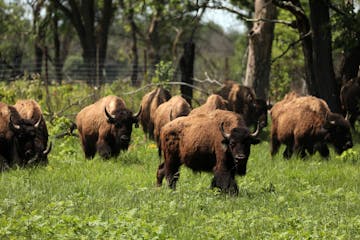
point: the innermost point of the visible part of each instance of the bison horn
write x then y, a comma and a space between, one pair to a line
254, 134
37, 124
46, 151
225, 135
110, 117
15, 126
136, 115
348, 115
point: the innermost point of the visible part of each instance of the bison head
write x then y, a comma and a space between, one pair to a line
237, 143
24, 134
40, 157
338, 132
260, 112
121, 125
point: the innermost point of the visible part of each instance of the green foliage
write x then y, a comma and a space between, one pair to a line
164, 73
346, 34
287, 70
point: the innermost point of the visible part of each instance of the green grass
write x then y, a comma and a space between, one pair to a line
74, 198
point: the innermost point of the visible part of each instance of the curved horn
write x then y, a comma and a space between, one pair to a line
37, 124
110, 117
15, 126
348, 115
48, 149
225, 135
257, 131
136, 115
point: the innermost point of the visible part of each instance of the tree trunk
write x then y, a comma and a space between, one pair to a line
187, 70
57, 59
129, 14
328, 89
260, 44
303, 27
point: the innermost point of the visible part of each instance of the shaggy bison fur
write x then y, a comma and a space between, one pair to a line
350, 100
212, 103
30, 110
149, 103
105, 127
218, 142
306, 123
176, 107
16, 138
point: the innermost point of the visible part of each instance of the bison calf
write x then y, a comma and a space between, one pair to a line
105, 127
218, 142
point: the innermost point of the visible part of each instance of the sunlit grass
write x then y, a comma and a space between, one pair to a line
74, 198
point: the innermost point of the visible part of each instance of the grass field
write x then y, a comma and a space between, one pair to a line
74, 198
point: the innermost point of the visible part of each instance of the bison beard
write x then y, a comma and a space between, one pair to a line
189, 141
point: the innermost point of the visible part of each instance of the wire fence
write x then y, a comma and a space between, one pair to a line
110, 72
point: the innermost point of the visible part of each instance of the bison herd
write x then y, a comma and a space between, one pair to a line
214, 137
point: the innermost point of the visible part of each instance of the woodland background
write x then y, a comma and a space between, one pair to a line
310, 46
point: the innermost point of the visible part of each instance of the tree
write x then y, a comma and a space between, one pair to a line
260, 44
327, 88
92, 22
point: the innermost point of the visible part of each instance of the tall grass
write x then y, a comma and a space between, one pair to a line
75, 198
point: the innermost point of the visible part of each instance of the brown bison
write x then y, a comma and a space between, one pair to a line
212, 103
30, 110
149, 104
16, 138
243, 100
306, 123
175, 107
350, 100
218, 142
105, 127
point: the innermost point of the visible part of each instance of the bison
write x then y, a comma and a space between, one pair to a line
105, 127
16, 138
242, 100
212, 103
218, 142
30, 110
305, 123
350, 100
149, 104
175, 107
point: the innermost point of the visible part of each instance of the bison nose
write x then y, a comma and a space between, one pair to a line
240, 157
125, 138
29, 154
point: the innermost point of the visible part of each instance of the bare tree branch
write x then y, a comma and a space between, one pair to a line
291, 45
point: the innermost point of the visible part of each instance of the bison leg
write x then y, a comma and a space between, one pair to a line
323, 149
172, 173
160, 174
288, 152
103, 148
89, 149
226, 182
3, 164
275, 144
